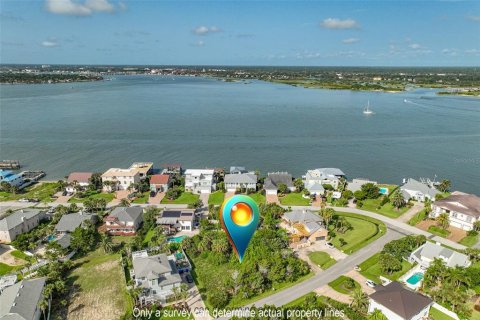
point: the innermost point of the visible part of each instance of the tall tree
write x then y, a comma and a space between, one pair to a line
443, 220
359, 300
444, 185
398, 200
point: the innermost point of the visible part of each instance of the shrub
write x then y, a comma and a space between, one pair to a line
472, 233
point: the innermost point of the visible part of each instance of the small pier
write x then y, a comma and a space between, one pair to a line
10, 164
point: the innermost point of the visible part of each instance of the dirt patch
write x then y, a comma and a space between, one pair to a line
456, 234
92, 306
7, 258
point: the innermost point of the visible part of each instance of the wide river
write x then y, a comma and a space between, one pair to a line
202, 122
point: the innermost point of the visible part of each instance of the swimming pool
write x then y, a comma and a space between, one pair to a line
51, 237
384, 190
176, 239
415, 278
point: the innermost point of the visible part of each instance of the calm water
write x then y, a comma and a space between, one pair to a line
204, 122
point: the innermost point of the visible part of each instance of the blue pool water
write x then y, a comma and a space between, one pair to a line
176, 239
51, 237
415, 278
384, 190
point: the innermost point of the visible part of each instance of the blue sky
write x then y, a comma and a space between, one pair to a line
303, 33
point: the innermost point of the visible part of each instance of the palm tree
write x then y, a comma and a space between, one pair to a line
377, 315
106, 243
44, 304
398, 200
73, 207
184, 293
443, 220
327, 215
444, 185
359, 300
124, 203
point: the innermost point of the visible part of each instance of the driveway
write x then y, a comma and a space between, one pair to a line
355, 275
417, 207
157, 199
272, 198
328, 291
319, 246
196, 304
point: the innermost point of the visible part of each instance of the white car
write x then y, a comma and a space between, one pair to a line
23, 200
329, 245
370, 283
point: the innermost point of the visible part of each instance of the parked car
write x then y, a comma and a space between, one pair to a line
357, 268
329, 245
370, 283
152, 193
189, 278
23, 200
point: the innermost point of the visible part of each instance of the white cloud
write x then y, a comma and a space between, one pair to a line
199, 43
415, 46
473, 18
73, 8
450, 52
50, 43
334, 23
350, 40
203, 30
475, 52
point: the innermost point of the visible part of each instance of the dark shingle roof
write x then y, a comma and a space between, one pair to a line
274, 179
20, 301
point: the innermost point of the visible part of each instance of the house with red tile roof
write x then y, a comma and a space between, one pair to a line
78, 179
159, 182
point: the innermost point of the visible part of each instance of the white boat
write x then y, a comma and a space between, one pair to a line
367, 110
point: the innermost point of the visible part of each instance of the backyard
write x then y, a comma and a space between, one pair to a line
321, 259
371, 269
364, 230
294, 199
216, 197
184, 198
42, 191
387, 209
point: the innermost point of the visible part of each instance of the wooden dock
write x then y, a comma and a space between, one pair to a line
10, 164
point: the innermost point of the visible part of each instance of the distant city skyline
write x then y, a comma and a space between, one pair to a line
277, 33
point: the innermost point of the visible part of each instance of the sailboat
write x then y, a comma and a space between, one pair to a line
367, 110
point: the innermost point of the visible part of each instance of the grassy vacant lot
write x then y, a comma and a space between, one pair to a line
20, 255
370, 268
321, 259
365, 230
436, 314
185, 198
294, 199
94, 195
387, 209
149, 235
97, 288
420, 216
42, 191
469, 241
340, 285
5, 268
258, 198
216, 197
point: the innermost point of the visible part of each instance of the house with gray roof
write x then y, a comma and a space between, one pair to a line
356, 184
304, 227
418, 191
19, 222
274, 179
21, 301
69, 222
322, 176
463, 209
398, 303
156, 275
429, 251
124, 220
239, 181
174, 220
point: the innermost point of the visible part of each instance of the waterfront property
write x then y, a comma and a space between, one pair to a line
240, 181
156, 275
159, 182
356, 184
173, 221
121, 179
78, 179
274, 179
304, 227
124, 220
199, 180
237, 170
13, 179
399, 303
425, 254
21, 301
463, 209
418, 191
19, 222
322, 176
172, 168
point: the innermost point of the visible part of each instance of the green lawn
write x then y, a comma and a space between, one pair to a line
420, 216
370, 269
340, 285
321, 259
20, 255
42, 191
143, 198
185, 198
365, 230
216, 197
148, 236
438, 231
387, 209
294, 199
5, 268
436, 314
258, 198
96, 195
469, 241
120, 239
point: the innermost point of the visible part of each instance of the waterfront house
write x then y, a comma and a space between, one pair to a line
398, 303
123, 178
172, 168
199, 180
156, 275
463, 209
356, 184
304, 227
78, 179
21, 301
124, 220
239, 181
322, 176
418, 191
19, 222
237, 170
173, 221
13, 179
274, 179
159, 182
425, 254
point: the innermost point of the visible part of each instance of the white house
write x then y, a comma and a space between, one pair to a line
425, 254
177, 220
19, 222
322, 176
157, 275
274, 179
124, 220
159, 182
199, 180
123, 178
356, 184
418, 191
80, 179
463, 209
398, 303
240, 181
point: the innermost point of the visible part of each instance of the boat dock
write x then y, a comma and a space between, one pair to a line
33, 175
10, 164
